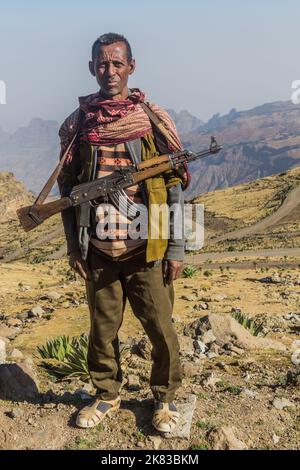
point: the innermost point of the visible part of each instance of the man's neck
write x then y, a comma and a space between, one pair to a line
122, 96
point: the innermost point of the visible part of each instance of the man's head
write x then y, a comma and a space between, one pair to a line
111, 64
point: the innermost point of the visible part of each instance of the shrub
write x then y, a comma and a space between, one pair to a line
65, 356
248, 323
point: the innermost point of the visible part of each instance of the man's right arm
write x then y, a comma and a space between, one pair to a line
66, 180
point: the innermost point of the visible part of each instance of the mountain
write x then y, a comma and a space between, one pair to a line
259, 142
185, 122
31, 152
12, 196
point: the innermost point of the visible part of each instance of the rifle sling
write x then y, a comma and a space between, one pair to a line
159, 124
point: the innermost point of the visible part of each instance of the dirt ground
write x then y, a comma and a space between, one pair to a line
243, 397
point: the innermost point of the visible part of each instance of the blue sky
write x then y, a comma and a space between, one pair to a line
204, 56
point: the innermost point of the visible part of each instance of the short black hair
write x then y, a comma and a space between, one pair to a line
111, 38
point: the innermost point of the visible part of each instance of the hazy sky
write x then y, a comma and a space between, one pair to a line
206, 56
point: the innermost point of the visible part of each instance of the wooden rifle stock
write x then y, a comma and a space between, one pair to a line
32, 216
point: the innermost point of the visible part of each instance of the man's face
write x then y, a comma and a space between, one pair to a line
111, 69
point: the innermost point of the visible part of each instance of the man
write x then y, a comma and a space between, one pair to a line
115, 131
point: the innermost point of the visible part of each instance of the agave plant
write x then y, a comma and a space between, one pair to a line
248, 323
66, 357
189, 271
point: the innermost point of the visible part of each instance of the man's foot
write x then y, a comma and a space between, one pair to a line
94, 413
165, 417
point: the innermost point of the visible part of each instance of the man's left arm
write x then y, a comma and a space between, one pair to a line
173, 263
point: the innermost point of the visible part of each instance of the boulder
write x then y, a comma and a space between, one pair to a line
8, 332
186, 346
227, 330
183, 428
2, 351
36, 312
17, 382
224, 439
16, 355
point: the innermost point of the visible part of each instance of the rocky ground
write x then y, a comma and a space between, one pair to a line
239, 391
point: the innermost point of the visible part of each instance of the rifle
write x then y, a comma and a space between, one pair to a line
32, 216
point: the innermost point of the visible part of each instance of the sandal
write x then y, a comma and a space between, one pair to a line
165, 417
94, 413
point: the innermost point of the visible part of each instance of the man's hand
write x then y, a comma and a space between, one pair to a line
78, 264
172, 270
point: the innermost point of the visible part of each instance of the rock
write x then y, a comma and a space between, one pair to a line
282, 403
144, 348
53, 295
65, 304
2, 351
293, 377
17, 382
272, 280
236, 310
214, 348
237, 350
31, 422
15, 413
222, 365
218, 297
23, 316
296, 344
189, 298
176, 319
224, 439
211, 355
208, 337
227, 330
16, 355
14, 322
140, 444
36, 312
201, 306
8, 332
24, 288
248, 393
275, 439
293, 317
156, 440
82, 394
133, 383
296, 357
186, 413
199, 346
209, 380
186, 346
190, 370
28, 362
5, 340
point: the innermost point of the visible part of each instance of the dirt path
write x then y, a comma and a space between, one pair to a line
235, 260
290, 203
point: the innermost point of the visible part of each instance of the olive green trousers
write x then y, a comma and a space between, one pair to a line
108, 285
